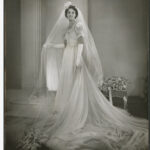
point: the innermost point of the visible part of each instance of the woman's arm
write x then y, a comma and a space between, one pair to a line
80, 50
80, 36
58, 46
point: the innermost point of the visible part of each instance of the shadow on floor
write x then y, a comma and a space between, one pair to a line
138, 107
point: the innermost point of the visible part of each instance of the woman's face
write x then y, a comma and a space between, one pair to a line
71, 14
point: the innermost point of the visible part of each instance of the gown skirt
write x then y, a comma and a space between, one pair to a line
83, 118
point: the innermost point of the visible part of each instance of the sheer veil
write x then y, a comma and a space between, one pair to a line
87, 117
53, 59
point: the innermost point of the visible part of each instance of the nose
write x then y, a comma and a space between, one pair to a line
70, 16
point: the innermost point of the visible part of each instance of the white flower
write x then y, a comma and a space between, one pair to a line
124, 86
67, 4
119, 79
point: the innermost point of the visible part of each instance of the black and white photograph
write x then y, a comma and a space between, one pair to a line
76, 74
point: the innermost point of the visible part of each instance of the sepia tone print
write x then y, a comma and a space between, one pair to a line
76, 75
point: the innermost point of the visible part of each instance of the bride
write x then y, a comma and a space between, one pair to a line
82, 118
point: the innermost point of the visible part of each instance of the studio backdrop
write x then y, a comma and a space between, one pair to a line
119, 28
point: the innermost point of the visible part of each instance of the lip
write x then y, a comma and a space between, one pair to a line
70, 17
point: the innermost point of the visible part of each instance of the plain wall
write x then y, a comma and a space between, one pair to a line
119, 28
12, 44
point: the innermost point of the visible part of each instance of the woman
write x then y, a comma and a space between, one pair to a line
82, 117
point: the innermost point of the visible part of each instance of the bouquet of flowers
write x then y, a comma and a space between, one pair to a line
118, 86
30, 140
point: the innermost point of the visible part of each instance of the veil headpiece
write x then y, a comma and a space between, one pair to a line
56, 36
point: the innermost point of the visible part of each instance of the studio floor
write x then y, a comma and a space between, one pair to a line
20, 113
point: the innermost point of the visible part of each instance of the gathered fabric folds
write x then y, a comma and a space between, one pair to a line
81, 118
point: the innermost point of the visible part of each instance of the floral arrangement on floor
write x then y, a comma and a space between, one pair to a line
30, 140
118, 86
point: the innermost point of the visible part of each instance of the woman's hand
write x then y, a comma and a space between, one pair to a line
79, 62
45, 46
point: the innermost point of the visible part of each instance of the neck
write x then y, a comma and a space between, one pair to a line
71, 22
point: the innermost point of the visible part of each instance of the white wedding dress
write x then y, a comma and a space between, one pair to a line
83, 118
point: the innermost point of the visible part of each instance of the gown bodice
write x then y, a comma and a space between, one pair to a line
71, 37
72, 34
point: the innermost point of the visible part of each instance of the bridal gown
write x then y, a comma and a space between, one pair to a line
83, 118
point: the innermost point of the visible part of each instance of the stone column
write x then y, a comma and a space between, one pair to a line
30, 40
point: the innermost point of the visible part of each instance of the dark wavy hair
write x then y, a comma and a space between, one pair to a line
71, 7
